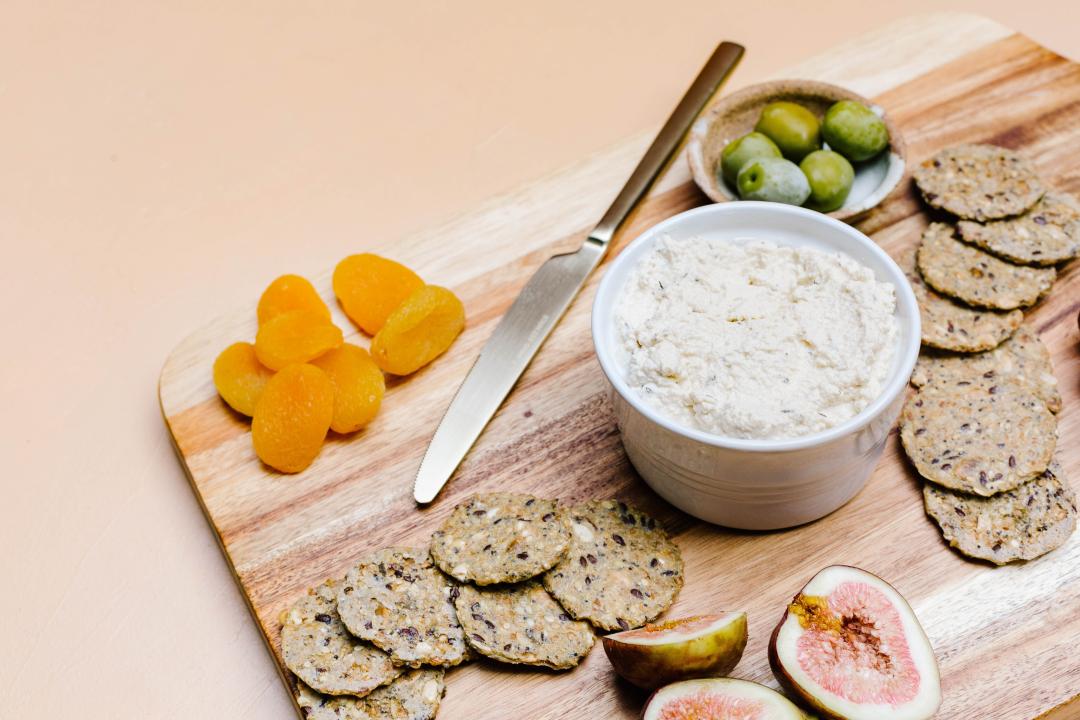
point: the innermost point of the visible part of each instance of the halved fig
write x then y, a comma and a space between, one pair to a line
849, 646
693, 647
719, 699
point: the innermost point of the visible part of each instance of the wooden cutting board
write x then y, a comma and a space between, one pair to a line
1005, 637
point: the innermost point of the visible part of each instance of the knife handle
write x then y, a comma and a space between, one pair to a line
723, 61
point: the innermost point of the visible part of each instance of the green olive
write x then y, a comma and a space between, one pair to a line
773, 179
830, 176
741, 151
794, 129
854, 130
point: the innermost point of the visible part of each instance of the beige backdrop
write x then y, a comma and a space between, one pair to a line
160, 162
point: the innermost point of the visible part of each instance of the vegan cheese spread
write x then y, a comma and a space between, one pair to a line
754, 340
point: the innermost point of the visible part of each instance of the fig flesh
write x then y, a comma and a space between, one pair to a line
850, 647
693, 647
719, 699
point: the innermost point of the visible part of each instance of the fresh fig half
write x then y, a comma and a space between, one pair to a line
719, 699
850, 647
693, 647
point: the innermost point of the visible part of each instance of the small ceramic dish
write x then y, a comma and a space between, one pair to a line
742, 483
735, 115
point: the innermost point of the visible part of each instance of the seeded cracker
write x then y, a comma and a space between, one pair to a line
1047, 234
522, 624
949, 325
500, 537
413, 696
976, 277
1020, 524
1022, 358
317, 647
976, 438
397, 600
979, 182
621, 570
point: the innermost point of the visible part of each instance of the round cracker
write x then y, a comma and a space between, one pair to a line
1019, 524
976, 277
415, 695
979, 182
398, 601
500, 538
1022, 358
976, 438
522, 624
948, 325
620, 571
316, 646
1047, 234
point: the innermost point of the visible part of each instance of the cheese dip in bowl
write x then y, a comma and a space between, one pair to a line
758, 355
754, 340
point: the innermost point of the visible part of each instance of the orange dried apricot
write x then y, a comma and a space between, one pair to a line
240, 378
370, 287
358, 386
292, 417
418, 331
295, 337
287, 293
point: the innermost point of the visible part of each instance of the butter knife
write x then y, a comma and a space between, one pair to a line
549, 293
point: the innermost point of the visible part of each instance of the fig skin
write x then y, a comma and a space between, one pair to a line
712, 654
789, 687
793, 690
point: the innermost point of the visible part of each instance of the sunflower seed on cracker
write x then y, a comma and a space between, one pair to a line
1022, 358
522, 624
949, 325
316, 646
500, 537
1047, 234
621, 570
981, 439
1019, 524
979, 182
976, 277
397, 600
415, 695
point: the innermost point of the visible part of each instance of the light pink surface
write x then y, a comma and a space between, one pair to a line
161, 162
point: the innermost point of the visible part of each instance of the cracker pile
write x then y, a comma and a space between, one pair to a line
981, 426
514, 578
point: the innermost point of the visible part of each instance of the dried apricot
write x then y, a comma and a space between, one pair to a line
358, 386
370, 287
240, 378
292, 417
287, 293
418, 331
295, 337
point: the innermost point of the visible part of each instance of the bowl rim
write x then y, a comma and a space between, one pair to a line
702, 176
907, 310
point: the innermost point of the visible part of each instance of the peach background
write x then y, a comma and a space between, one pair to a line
160, 162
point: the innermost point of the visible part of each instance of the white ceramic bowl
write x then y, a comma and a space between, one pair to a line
756, 484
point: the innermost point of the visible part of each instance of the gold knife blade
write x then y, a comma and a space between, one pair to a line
548, 294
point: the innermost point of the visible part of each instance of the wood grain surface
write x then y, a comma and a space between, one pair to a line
1005, 637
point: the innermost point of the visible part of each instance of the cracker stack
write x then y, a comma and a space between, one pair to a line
514, 578
981, 426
